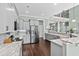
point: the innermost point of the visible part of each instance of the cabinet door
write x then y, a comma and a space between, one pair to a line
26, 39
56, 50
72, 50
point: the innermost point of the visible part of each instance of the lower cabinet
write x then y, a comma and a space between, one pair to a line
25, 37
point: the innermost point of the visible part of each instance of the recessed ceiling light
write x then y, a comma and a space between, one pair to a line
55, 3
39, 19
28, 6
10, 9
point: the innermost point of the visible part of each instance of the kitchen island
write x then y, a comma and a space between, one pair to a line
65, 47
62, 44
57, 35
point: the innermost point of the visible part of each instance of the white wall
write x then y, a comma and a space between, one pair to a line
6, 18
2, 18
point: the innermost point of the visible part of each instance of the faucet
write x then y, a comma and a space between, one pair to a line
70, 35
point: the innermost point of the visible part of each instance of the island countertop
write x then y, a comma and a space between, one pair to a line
60, 35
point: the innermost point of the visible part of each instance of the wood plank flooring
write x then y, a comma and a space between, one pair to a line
38, 49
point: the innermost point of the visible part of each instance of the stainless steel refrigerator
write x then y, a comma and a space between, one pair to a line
34, 34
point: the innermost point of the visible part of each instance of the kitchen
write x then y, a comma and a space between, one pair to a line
35, 24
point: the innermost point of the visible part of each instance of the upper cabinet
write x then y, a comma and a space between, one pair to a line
64, 14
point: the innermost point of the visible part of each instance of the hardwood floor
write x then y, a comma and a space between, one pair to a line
39, 49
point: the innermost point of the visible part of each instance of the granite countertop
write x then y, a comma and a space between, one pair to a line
60, 35
58, 41
66, 41
72, 40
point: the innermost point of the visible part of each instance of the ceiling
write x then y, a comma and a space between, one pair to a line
42, 9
